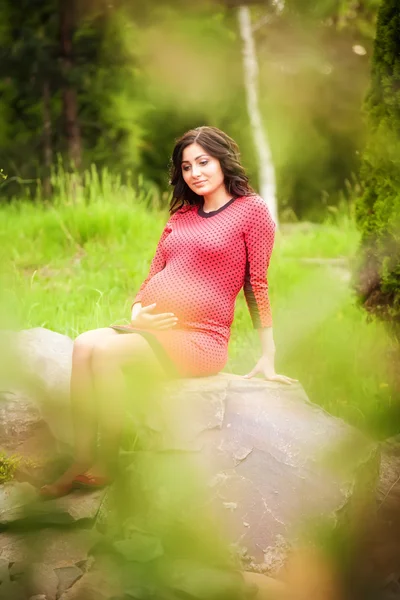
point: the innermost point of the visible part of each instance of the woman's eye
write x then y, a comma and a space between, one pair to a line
204, 163
186, 168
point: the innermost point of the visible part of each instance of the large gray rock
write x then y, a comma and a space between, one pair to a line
40, 368
20, 501
381, 543
41, 580
271, 459
54, 547
14, 500
67, 576
80, 506
94, 586
44, 564
26, 436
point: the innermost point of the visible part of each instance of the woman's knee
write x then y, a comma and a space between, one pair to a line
82, 348
85, 344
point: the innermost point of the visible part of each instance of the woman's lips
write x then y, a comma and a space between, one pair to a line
200, 183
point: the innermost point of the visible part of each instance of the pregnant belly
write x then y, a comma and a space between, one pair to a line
191, 299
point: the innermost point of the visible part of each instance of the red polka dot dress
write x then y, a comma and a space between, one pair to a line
201, 263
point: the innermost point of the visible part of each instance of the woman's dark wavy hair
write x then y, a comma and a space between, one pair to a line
219, 145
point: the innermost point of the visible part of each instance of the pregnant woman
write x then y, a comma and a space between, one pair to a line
218, 240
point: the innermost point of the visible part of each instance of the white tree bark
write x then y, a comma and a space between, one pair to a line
250, 66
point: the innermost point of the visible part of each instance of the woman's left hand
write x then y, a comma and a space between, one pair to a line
266, 367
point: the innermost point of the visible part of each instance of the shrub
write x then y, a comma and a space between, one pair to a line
378, 209
8, 467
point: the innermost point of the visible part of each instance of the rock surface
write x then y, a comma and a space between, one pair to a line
53, 547
382, 536
25, 435
20, 501
271, 459
40, 369
78, 507
93, 586
67, 576
44, 562
43, 580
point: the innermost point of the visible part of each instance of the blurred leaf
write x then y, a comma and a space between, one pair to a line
141, 547
140, 592
196, 580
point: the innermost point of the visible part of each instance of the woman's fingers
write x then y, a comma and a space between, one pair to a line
165, 323
148, 309
283, 379
164, 327
275, 377
288, 379
252, 373
155, 321
163, 317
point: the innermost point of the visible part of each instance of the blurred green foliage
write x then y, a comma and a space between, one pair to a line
378, 209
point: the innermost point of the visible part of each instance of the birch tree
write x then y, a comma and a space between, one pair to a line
266, 168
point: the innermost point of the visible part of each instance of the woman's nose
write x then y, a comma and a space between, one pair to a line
195, 171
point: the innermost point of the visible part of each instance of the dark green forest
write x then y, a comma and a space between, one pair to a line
111, 84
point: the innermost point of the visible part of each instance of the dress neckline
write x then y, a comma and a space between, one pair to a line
207, 215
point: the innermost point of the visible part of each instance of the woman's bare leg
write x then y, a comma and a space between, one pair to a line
109, 359
83, 402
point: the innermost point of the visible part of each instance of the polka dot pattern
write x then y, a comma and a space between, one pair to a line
201, 263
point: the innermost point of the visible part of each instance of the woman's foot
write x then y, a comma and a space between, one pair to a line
64, 484
55, 490
91, 481
95, 477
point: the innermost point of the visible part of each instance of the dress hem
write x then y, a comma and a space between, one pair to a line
155, 345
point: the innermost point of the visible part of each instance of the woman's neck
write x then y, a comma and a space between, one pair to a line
215, 200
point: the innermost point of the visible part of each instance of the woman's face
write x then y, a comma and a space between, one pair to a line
201, 172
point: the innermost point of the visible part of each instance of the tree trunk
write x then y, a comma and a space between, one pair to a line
47, 144
69, 95
250, 65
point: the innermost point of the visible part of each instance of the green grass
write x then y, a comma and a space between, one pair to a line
75, 267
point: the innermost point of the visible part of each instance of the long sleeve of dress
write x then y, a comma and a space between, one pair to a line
157, 264
259, 239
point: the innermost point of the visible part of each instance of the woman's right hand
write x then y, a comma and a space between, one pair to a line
144, 319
